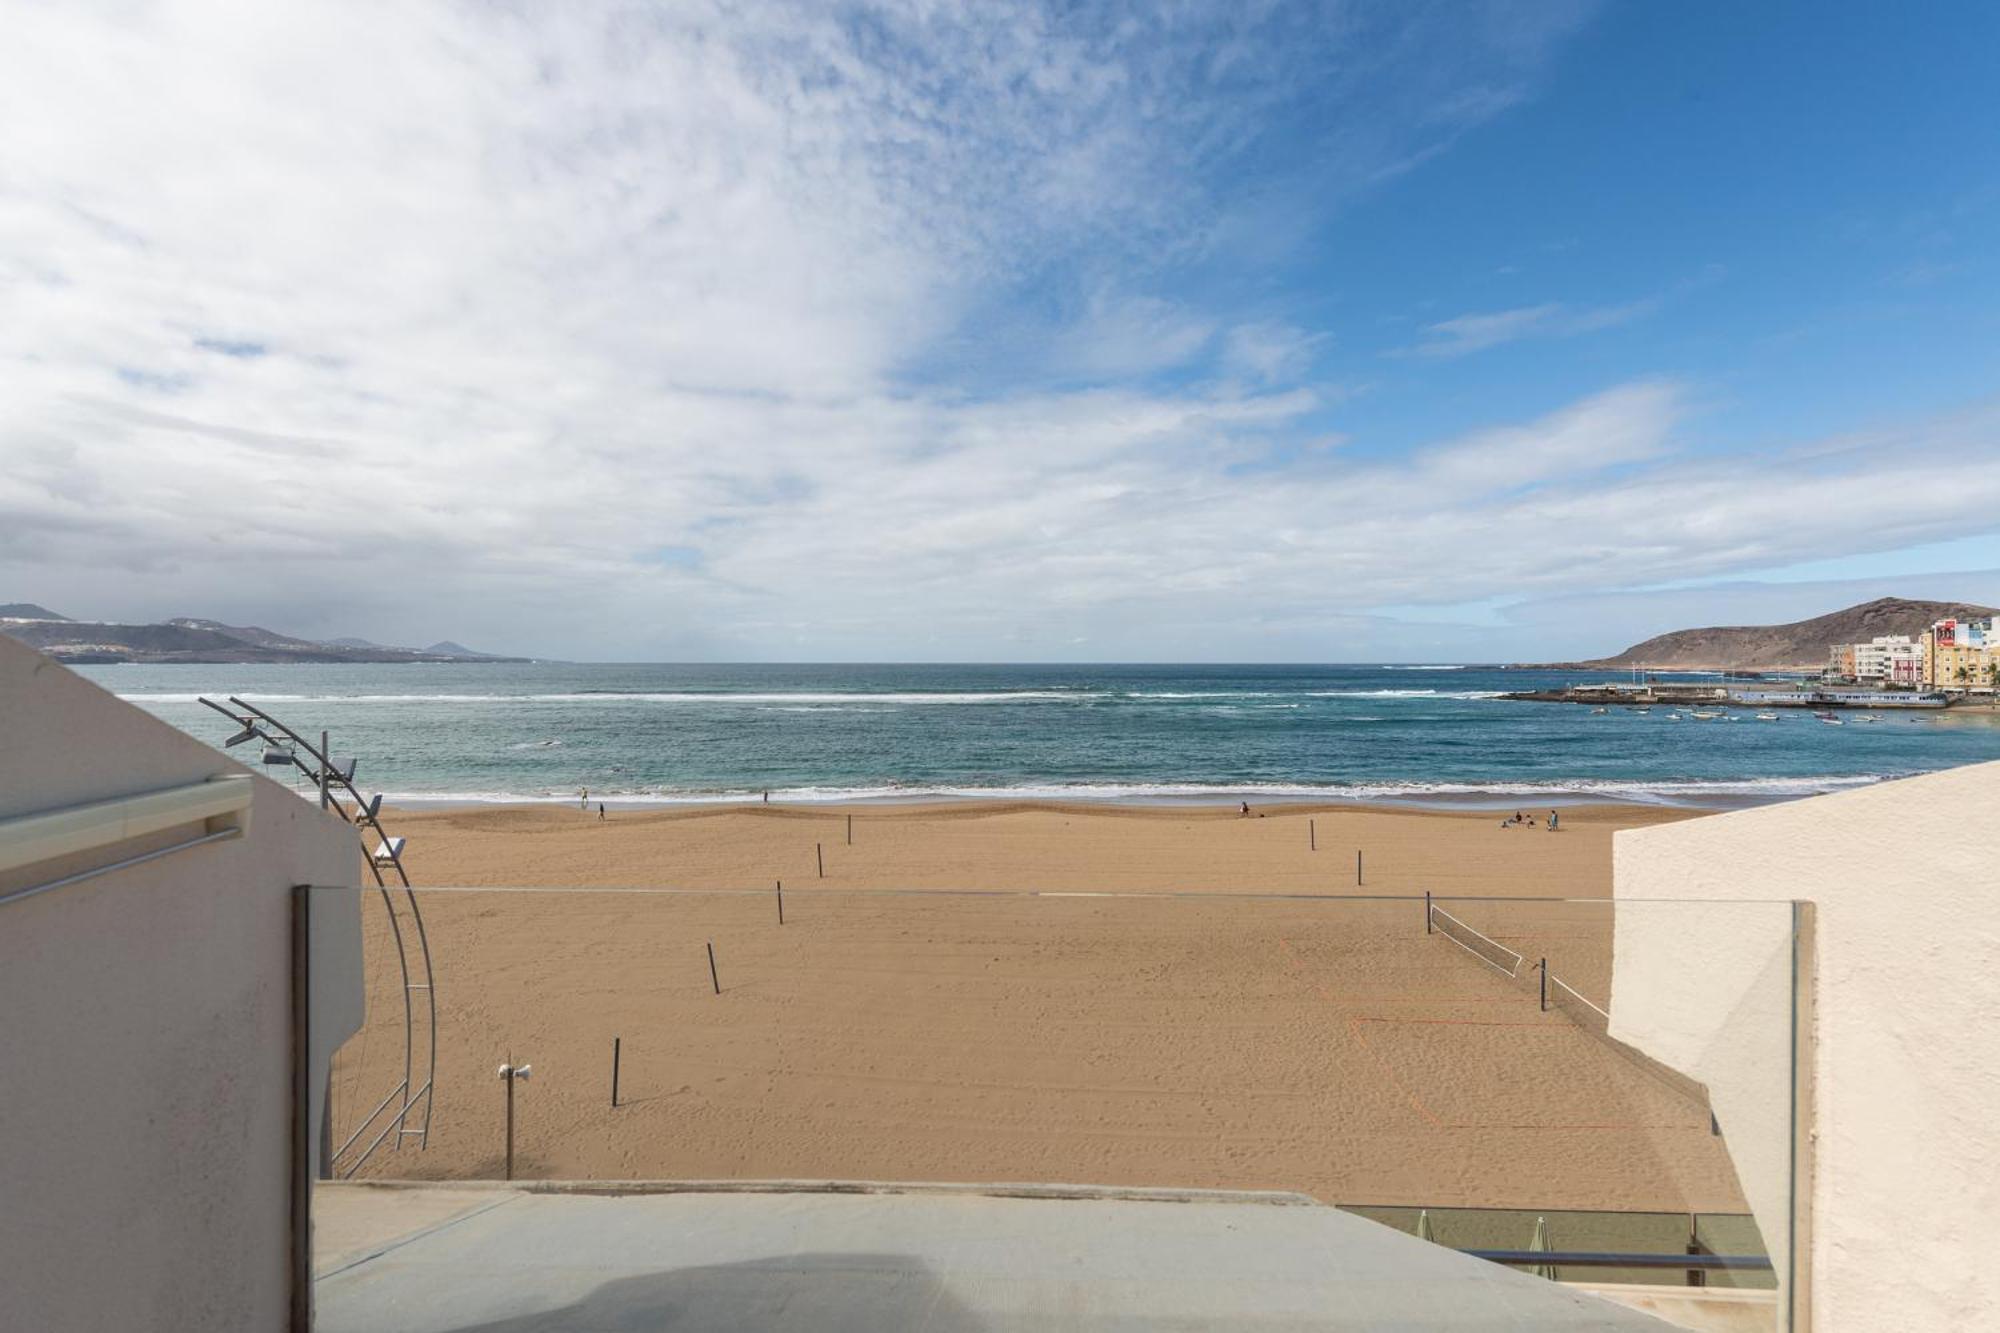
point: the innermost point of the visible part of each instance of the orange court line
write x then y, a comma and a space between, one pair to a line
1354, 1026
1298, 966
1557, 1026
1417, 1103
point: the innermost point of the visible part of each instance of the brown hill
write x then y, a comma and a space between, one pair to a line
1802, 644
189, 639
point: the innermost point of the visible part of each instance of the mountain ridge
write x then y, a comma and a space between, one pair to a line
195, 639
1797, 645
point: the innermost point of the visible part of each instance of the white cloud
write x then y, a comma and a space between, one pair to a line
1269, 351
610, 332
1475, 333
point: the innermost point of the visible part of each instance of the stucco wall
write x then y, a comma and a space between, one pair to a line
1905, 1076
145, 1030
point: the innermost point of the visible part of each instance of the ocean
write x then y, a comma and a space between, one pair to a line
694, 733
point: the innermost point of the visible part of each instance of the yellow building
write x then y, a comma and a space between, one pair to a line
1962, 655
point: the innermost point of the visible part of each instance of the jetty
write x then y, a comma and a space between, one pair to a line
1656, 693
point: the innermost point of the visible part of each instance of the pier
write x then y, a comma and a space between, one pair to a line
1654, 693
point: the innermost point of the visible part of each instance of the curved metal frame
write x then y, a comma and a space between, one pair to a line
415, 1103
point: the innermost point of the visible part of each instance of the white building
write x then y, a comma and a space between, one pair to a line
1881, 1202
1889, 659
152, 944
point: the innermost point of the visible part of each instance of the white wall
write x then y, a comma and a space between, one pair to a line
145, 1031
1906, 1049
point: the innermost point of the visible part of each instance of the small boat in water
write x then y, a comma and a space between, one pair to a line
1829, 719
1600, 710
1767, 717
1706, 717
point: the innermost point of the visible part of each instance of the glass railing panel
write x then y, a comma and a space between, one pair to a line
1413, 1061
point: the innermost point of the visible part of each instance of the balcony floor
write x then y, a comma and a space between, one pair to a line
448, 1259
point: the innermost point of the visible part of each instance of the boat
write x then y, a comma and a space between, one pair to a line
1705, 717
1828, 718
1767, 717
1600, 710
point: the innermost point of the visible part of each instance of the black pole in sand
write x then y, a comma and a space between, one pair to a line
615, 1043
1545, 985
781, 902
713, 980
1357, 869
850, 830
1427, 912
819, 855
1312, 835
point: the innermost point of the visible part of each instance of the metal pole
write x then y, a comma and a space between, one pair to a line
1428, 927
819, 855
1357, 869
850, 830
713, 980
324, 764
1312, 835
1545, 985
781, 902
512, 1074
299, 1219
615, 1043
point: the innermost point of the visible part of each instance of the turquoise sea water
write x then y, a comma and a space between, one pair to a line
696, 733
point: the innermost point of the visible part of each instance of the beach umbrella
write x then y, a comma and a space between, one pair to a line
1541, 1243
1424, 1225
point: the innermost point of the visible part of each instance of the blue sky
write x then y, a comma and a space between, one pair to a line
892, 331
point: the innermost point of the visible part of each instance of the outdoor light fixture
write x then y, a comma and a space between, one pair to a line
510, 1075
407, 1110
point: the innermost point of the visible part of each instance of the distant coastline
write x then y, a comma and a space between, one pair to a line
199, 642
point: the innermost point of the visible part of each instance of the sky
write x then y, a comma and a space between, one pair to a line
919, 331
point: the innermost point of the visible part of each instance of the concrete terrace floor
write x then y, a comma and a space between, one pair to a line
480, 1259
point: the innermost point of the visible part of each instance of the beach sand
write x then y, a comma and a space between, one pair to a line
1218, 1039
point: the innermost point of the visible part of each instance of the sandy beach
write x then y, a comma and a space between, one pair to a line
1226, 1036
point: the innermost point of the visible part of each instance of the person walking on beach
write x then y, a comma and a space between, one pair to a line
1552, 821
583, 798
600, 809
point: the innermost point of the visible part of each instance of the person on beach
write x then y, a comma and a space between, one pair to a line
1246, 811
583, 798
600, 809
1552, 821
767, 798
